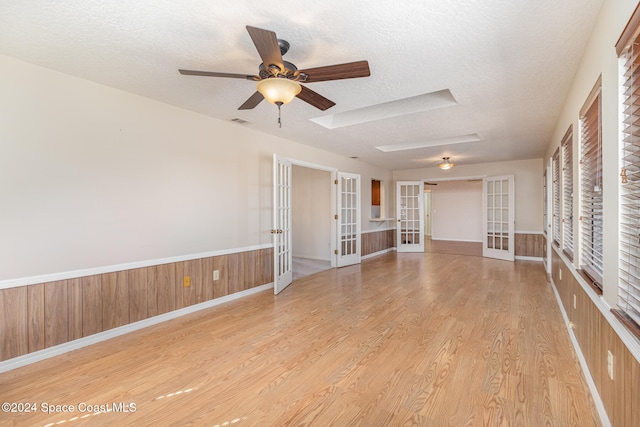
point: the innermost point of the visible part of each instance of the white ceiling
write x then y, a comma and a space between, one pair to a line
507, 64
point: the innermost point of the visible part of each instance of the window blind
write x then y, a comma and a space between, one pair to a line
555, 168
591, 189
545, 203
629, 272
567, 192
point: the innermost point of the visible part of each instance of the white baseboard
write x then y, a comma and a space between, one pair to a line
456, 240
37, 356
313, 258
529, 258
378, 253
604, 418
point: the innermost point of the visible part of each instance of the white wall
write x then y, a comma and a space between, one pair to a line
92, 176
600, 59
527, 180
311, 213
456, 211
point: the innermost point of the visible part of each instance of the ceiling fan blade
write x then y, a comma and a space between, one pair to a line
214, 74
252, 102
267, 45
315, 99
349, 70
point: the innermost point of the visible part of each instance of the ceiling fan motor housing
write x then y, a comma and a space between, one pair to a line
289, 71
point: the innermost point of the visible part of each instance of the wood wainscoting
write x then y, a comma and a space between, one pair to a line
529, 245
596, 337
377, 241
43, 315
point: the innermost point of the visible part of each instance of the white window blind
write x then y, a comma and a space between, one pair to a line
567, 193
555, 168
591, 188
545, 204
629, 272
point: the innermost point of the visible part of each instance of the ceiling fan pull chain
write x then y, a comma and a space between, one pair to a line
279, 121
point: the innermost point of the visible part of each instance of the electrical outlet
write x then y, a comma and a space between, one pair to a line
216, 274
575, 305
610, 363
187, 281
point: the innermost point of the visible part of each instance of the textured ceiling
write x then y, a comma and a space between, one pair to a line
507, 64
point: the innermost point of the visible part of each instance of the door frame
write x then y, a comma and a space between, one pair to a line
334, 205
334, 195
353, 258
410, 247
509, 254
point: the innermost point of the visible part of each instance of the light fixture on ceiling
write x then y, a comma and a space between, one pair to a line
446, 164
278, 91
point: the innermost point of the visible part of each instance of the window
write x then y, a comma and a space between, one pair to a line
628, 49
591, 187
545, 204
555, 170
567, 193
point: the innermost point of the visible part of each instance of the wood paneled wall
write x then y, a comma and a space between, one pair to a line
595, 336
43, 315
377, 241
529, 245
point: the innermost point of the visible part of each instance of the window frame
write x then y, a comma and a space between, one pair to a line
566, 145
591, 191
628, 50
555, 204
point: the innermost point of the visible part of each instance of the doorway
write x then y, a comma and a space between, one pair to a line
311, 220
455, 216
344, 217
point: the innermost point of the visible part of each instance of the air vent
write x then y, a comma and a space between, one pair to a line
238, 120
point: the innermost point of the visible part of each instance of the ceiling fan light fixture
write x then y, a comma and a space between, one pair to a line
446, 164
278, 90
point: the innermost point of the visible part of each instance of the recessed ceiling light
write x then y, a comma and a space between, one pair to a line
431, 143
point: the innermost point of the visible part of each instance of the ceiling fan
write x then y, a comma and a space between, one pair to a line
279, 80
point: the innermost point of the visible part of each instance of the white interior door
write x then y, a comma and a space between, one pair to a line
282, 255
410, 210
348, 219
498, 217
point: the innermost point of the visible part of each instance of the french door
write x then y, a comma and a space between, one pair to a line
410, 210
348, 217
498, 217
282, 269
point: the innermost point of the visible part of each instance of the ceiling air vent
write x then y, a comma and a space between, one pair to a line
240, 121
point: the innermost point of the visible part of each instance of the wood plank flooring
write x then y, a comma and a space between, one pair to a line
402, 339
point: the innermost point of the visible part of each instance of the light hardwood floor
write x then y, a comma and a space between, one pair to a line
402, 339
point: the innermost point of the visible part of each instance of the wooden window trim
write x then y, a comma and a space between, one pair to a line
627, 321
590, 176
556, 213
628, 48
568, 217
591, 278
630, 31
